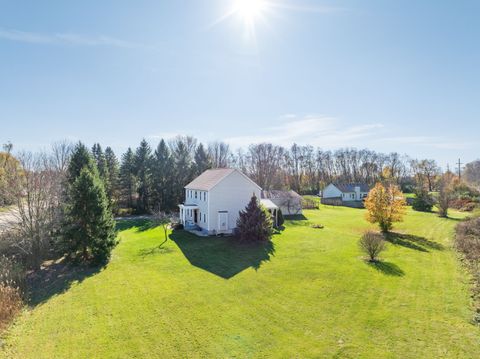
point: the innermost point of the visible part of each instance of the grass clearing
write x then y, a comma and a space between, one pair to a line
308, 294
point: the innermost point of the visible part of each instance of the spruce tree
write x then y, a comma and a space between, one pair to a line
80, 158
89, 227
162, 169
128, 180
113, 171
255, 223
101, 162
202, 160
143, 157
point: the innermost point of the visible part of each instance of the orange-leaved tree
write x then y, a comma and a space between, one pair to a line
385, 205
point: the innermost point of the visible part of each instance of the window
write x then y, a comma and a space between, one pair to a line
204, 196
195, 194
205, 218
352, 195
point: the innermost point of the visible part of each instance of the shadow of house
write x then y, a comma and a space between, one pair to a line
413, 242
222, 256
387, 268
56, 278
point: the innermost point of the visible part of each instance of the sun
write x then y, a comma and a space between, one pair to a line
249, 10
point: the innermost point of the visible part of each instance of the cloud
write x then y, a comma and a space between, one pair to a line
322, 131
66, 38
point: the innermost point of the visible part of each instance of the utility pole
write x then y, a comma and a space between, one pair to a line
459, 169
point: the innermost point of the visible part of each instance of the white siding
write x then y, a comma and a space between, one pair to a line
200, 202
331, 191
232, 194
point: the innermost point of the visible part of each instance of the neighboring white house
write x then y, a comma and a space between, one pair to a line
214, 199
289, 202
338, 194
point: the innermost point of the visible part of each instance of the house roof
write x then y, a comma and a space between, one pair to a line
276, 194
350, 187
210, 178
268, 204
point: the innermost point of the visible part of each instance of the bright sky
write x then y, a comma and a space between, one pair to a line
388, 75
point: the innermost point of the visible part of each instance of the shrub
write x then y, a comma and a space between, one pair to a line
372, 244
280, 218
423, 201
467, 242
11, 284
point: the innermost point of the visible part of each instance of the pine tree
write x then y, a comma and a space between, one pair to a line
80, 158
128, 181
113, 176
100, 160
89, 223
162, 169
255, 223
202, 160
89, 227
143, 157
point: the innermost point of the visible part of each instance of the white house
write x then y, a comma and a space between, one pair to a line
214, 199
338, 194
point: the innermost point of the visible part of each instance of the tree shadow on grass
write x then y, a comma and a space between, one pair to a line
142, 224
56, 278
413, 242
222, 256
160, 249
387, 268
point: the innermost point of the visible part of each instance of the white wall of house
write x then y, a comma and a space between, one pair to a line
331, 191
199, 198
232, 194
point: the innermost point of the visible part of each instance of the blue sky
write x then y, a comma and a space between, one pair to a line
387, 75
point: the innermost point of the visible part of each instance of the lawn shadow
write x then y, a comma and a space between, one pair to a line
387, 268
222, 256
141, 224
160, 249
56, 278
413, 242
295, 217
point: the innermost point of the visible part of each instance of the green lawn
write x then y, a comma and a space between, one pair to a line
309, 294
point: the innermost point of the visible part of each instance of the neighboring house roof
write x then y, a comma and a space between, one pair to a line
350, 187
210, 178
276, 194
268, 204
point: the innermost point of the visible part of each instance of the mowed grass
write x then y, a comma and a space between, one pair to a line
310, 294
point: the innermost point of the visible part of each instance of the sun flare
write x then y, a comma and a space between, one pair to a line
250, 9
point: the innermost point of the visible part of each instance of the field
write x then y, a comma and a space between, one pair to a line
308, 294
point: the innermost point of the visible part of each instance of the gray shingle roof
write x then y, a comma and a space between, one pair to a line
276, 194
350, 187
208, 179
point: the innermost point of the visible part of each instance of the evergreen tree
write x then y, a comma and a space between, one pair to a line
255, 222
113, 171
128, 181
280, 218
162, 169
143, 157
183, 167
202, 160
423, 201
89, 227
89, 223
100, 160
80, 158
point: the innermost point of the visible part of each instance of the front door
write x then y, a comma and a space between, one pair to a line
195, 216
223, 221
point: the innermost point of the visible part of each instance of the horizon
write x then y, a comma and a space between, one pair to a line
383, 76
